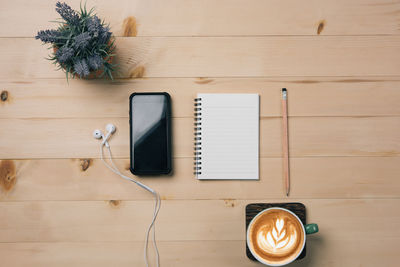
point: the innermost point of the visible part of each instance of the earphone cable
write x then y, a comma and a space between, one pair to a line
156, 210
157, 205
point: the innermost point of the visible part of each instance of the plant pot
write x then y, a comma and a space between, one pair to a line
92, 74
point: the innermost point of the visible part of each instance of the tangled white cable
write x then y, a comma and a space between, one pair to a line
111, 129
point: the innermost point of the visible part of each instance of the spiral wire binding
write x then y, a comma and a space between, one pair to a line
197, 136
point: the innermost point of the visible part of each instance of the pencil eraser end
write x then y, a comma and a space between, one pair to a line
284, 93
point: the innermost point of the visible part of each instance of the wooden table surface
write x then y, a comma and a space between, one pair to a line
339, 59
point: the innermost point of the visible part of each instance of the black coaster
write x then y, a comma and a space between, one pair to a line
254, 208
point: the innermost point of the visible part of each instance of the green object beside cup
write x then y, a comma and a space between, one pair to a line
311, 228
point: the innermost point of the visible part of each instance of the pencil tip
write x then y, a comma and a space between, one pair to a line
283, 89
287, 194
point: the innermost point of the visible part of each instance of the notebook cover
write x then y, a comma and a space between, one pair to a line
226, 133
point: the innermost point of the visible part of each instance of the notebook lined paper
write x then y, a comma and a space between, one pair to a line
227, 136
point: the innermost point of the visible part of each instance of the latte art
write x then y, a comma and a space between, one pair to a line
276, 236
280, 239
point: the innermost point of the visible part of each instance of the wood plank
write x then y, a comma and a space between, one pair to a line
211, 18
23, 58
309, 96
189, 220
309, 136
61, 207
88, 179
320, 252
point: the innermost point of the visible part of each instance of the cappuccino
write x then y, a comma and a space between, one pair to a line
276, 237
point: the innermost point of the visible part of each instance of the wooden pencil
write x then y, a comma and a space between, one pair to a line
285, 141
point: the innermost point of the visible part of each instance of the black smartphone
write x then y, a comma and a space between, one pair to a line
150, 133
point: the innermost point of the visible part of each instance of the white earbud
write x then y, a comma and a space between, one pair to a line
98, 134
110, 130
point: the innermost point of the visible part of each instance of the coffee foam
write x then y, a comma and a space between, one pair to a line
276, 236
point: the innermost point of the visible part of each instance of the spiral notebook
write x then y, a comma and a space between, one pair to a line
226, 136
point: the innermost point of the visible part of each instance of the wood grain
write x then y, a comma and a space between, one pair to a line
189, 220
23, 58
81, 230
308, 136
309, 96
321, 252
314, 177
339, 60
217, 18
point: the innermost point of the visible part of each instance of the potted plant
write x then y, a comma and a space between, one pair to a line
82, 44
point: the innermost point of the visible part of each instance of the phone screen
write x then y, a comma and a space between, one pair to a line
150, 133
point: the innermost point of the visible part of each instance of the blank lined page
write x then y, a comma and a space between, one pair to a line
229, 136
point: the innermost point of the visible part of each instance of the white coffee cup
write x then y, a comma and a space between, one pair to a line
308, 229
